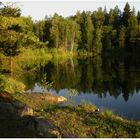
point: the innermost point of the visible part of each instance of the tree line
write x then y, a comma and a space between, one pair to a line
88, 31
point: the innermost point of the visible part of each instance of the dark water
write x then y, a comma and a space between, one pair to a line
108, 82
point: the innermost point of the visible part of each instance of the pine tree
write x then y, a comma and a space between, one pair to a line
126, 15
138, 17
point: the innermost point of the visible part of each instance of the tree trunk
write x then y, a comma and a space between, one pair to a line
72, 46
72, 66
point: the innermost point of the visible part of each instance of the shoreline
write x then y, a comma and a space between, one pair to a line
52, 120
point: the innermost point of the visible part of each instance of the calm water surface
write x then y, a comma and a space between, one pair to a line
109, 83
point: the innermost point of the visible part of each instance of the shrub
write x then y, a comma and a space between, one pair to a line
11, 85
108, 113
14, 86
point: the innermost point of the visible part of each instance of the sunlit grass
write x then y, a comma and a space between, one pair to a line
11, 85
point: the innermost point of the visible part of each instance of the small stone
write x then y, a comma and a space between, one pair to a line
57, 99
55, 133
61, 99
27, 112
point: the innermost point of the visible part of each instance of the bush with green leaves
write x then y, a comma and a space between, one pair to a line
10, 85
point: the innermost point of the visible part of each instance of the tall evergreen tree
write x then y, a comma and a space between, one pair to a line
132, 27
126, 14
86, 28
138, 17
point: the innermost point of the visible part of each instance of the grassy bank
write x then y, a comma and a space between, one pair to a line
80, 121
76, 121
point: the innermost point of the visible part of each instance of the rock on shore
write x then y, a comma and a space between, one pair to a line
18, 120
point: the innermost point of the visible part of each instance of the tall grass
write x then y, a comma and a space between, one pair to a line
30, 57
33, 55
60, 54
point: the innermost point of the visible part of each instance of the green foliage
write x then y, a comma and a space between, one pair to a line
39, 29
86, 28
114, 17
138, 17
51, 107
15, 31
44, 84
10, 11
122, 36
32, 57
133, 27
62, 32
11, 85
88, 32
107, 113
126, 14
97, 41
57, 38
